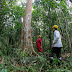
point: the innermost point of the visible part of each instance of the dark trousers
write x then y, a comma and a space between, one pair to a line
57, 51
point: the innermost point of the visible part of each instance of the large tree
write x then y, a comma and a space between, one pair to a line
26, 37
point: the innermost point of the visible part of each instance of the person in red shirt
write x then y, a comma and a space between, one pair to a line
39, 44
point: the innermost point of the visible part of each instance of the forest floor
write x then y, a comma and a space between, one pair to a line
39, 63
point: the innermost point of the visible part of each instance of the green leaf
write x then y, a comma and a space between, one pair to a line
68, 71
4, 70
71, 8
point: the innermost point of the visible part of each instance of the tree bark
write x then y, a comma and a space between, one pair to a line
49, 17
26, 37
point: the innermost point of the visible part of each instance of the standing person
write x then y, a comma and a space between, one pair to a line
57, 44
39, 44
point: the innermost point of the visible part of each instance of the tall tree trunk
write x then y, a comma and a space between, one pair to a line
49, 17
26, 37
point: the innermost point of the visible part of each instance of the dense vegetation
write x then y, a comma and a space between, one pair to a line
45, 14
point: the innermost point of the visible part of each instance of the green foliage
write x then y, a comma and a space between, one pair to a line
4, 70
10, 26
31, 69
71, 8
43, 18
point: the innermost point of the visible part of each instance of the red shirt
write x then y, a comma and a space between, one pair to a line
39, 42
